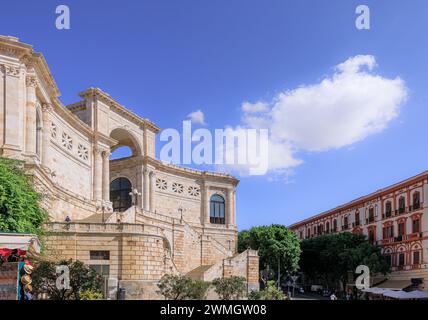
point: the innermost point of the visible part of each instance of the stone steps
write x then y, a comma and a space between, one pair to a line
198, 273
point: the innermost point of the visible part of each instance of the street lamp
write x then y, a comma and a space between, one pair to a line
134, 196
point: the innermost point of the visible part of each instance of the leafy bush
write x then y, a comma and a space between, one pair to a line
255, 295
271, 292
230, 288
91, 294
198, 289
177, 287
82, 278
19, 202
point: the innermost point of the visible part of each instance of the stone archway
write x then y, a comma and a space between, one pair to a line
126, 138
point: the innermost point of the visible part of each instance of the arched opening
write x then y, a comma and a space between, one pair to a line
127, 145
120, 196
217, 214
121, 152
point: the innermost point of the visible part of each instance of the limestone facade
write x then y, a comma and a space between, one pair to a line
168, 224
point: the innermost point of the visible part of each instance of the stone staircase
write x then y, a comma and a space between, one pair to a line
198, 273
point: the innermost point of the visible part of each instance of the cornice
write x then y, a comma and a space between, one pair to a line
377, 195
25, 53
199, 174
117, 107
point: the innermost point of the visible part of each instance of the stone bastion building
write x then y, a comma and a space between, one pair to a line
133, 219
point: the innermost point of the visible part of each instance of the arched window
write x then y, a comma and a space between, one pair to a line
401, 205
120, 190
217, 209
334, 225
416, 200
388, 209
357, 218
327, 227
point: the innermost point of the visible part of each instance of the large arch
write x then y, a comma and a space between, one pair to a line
126, 138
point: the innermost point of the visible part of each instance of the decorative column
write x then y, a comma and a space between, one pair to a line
234, 208
146, 189
152, 190
207, 203
12, 140
97, 181
46, 140
30, 116
106, 175
230, 213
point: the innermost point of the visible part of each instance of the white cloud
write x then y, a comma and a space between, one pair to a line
197, 117
346, 107
254, 107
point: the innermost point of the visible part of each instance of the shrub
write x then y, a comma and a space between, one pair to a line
91, 294
177, 287
230, 288
271, 292
82, 278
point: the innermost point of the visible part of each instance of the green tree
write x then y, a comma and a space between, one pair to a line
271, 292
82, 278
177, 287
229, 288
275, 243
330, 258
19, 202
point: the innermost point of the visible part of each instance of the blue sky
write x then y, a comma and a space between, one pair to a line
165, 59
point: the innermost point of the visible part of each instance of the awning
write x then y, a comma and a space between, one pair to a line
395, 284
19, 241
403, 295
375, 290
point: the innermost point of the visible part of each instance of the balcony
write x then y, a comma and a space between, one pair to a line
412, 236
386, 241
414, 207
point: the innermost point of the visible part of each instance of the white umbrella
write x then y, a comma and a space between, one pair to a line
396, 294
417, 294
375, 290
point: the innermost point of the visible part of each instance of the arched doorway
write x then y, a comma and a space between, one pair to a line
120, 197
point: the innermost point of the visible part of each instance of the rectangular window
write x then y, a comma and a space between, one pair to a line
401, 259
99, 255
388, 209
371, 215
416, 257
401, 229
101, 269
416, 226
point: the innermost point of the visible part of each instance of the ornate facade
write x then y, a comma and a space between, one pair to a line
133, 219
395, 218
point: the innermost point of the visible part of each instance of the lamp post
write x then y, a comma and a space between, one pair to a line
134, 196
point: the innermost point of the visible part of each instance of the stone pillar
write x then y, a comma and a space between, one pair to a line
31, 116
46, 140
152, 190
207, 204
13, 132
229, 210
106, 175
234, 208
146, 189
97, 182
